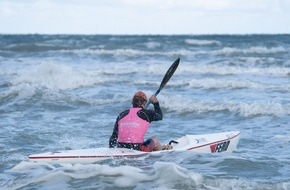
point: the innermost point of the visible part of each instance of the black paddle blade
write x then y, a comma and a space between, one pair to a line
168, 75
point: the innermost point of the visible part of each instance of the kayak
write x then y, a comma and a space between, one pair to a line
204, 143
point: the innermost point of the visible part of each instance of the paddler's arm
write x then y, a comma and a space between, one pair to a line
158, 116
155, 115
113, 139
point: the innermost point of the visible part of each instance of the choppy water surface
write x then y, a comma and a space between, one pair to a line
64, 92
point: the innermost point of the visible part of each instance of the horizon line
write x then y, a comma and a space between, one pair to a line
146, 34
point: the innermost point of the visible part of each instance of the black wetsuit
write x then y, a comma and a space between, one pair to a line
148, 115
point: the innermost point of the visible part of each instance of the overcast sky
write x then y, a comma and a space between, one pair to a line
144, 16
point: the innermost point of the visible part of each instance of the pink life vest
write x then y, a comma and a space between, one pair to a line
131, 128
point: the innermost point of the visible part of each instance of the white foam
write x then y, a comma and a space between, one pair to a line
209, 83
115, 52
286, 186
129, 52
50, 77
201, 42
151, 45
262, 108
188, 105
252, 50
240, 184
282, 138
227, 51
170, 173
232, 70
53, 76
162, 173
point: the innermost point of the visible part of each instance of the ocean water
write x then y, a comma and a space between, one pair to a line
62, 92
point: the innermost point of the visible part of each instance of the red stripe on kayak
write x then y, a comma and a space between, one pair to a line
66, 157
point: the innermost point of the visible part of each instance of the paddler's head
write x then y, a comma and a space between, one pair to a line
139, 99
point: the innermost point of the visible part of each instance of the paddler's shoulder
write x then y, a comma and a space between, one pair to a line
124, 113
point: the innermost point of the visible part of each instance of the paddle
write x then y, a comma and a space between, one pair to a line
166, 78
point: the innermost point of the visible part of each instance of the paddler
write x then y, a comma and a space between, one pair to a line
132, 125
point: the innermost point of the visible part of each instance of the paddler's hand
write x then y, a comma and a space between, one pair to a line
153, 99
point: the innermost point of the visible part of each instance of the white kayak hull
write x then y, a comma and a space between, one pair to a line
205, 143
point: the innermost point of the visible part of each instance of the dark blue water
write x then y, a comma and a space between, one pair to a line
65, 91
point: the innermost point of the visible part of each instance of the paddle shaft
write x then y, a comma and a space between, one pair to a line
166, 78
